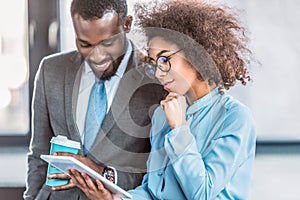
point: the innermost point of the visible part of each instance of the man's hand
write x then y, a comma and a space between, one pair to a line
84, 160
93, 190
61, 176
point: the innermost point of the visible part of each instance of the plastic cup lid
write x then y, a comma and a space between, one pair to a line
64, 141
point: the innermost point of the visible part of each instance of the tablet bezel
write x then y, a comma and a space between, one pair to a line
64, 163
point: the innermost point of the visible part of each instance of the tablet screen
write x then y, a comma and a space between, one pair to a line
64, 163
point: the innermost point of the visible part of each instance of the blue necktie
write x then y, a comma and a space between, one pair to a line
95, 114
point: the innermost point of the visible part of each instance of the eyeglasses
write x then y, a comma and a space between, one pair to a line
161, 62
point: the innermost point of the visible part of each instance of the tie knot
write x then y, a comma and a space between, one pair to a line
99, 81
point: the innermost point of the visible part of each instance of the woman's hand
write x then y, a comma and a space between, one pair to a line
93, 190
175, 108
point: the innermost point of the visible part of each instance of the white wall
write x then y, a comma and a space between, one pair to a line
273, 95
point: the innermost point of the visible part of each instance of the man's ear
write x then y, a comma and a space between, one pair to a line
127, 24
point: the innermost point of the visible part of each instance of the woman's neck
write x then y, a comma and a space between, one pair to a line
198, 90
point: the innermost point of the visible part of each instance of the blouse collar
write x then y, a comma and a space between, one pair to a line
203, 101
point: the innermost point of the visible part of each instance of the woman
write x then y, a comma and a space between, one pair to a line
203, 141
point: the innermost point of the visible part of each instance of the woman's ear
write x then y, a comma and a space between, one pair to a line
127, 24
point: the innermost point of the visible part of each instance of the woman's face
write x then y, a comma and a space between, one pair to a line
182, 76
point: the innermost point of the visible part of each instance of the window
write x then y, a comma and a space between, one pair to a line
29, 32
14, 90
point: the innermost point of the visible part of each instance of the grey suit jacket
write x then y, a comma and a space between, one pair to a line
123, 139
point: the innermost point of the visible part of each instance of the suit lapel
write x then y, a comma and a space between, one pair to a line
130, 81
72, 82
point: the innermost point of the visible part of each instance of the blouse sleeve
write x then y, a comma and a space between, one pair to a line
205, 177
141, 192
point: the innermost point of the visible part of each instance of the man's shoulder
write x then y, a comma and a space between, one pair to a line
58, 63
62, 56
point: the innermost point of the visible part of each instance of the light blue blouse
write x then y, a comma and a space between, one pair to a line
210, 158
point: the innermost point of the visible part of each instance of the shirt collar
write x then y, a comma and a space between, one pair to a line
122, 66
125, 60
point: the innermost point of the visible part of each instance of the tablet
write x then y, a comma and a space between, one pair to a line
64, 163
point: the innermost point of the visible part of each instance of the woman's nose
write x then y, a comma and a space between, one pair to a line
159, 73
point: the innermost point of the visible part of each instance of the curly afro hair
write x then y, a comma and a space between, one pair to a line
95, 9
214, 27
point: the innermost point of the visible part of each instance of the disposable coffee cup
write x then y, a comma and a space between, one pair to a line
60, 144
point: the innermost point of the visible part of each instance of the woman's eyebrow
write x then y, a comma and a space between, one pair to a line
161, 52
158, 54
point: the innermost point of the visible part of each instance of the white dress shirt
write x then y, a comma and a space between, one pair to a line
86, 83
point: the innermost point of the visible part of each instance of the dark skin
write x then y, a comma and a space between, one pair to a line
102, 42
82, 159
93, 190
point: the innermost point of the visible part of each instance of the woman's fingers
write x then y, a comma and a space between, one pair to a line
174, 107
171, 96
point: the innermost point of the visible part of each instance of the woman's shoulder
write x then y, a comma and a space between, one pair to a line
237, 113
234, 106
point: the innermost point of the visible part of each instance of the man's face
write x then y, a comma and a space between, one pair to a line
102, 42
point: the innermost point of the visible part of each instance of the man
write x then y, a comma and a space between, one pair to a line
63, 86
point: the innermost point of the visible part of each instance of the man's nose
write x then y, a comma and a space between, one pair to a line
97, 54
